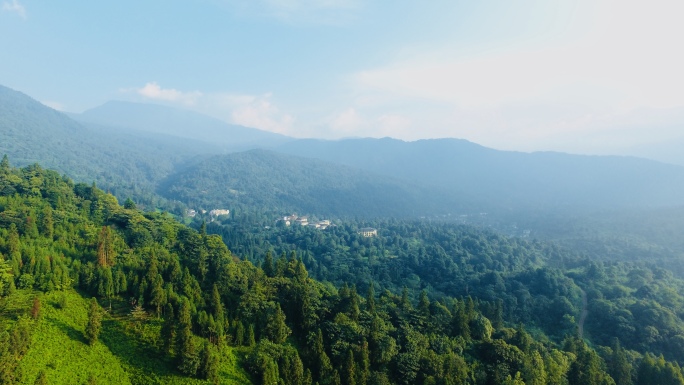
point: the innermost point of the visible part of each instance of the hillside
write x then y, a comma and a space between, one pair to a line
586, 202
179, 123
515, 180
154, 154
137, 297
268, 180
126, 162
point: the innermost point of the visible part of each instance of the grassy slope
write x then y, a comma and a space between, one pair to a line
124, 355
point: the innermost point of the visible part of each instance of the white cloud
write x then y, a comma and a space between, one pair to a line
153, 91
262, 114
14, 6
54, 105
351, 122
348, 122
621, 62
393, 125
256, 111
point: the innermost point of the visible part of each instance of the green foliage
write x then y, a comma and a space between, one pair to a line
209, 363
94, 326
125, 162
275, 329
449, 295
187, 356
42, 379
278, 182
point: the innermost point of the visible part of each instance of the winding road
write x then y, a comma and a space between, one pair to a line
583, 315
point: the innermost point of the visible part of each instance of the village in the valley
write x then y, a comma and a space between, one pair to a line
288, 220
213, 214
293, 219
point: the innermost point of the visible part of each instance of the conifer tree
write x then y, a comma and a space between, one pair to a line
405, 303
157, 294
251, 338
5, 164
587, 369
92, 331
239, 333
105, 247
308, 380
522, 339
460, 322
47, 224
516, 380
363, 368
13, 243
619, 367
270, 374
354, 310
281, 265
321, 359
276, 330
129, 204
168, 330
209, 363
186, 356
291, 368
105, 283
349, 369
424, 304
535, 373
267, 265
216, 304
370, 299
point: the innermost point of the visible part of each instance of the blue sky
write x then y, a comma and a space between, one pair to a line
599, 76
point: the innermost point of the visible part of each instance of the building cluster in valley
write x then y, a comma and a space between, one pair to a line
368, 232
294, 220
213, 214
304, 221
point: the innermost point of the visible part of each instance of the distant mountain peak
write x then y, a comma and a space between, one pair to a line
182, 123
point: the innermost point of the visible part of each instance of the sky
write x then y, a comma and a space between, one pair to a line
581, 76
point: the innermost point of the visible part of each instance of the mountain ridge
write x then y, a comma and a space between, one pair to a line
137, 161
517, 179
181, 123
267, 179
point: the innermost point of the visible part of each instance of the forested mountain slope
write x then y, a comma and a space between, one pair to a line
515, 180
447, 175
125, 162
173, 305
524, 281
272, 181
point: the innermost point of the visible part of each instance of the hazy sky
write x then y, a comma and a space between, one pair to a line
587, 76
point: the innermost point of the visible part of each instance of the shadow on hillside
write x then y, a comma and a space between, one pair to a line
69, 330
132, 351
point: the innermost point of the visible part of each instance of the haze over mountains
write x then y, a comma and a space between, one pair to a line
668, 152
513, 179
155, 149
180, 123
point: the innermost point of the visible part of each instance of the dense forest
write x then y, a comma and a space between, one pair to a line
272, 181
538, 284
95, 292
